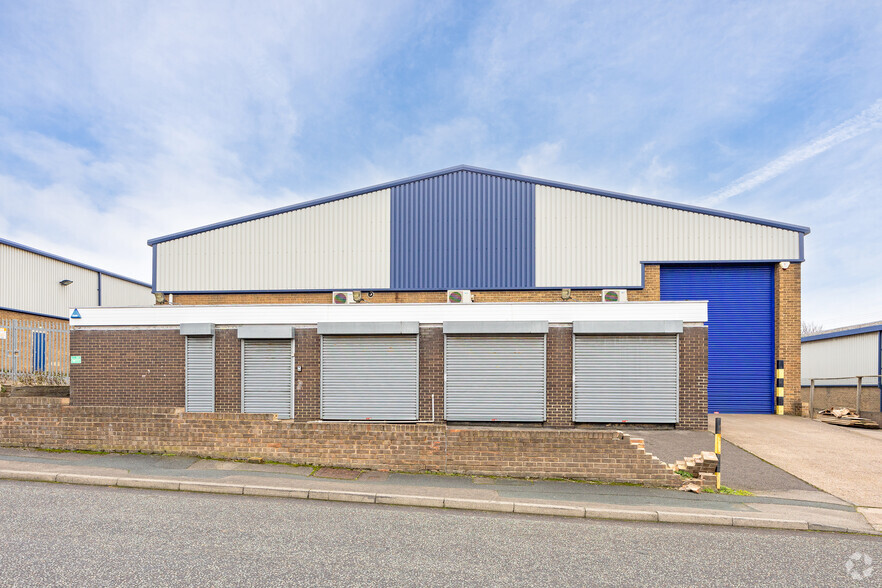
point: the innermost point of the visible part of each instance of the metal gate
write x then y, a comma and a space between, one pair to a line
34, 351
494, 378
625, 378
267, 377
370, 377
199, 374
741, 330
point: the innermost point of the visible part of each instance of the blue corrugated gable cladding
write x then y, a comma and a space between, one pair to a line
463, 230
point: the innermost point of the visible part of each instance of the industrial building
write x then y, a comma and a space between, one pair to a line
835, 359
463, 295
37, 291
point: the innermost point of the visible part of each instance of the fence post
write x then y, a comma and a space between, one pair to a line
812, 400
14, 351
858, 409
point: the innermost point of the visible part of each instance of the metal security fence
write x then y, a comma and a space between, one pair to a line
34, 352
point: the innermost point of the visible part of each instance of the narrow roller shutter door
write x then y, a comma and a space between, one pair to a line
370, 377
625, 378
494, 378
200, 374
266, 377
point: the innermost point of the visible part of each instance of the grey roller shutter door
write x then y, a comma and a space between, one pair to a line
370, 377
625, 378
494, 378
267, 377
199, 380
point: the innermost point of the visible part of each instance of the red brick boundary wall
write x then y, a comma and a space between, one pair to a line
605, 455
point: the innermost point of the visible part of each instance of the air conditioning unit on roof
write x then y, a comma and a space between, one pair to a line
459, 296
614, 296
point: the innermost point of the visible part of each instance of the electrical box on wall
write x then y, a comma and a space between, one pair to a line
459, 296
614, 296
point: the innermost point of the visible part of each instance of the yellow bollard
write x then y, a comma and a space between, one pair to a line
718, 447
779, 386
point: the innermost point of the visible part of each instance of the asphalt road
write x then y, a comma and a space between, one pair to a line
61, 535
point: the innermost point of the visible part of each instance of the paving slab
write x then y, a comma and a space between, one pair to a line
215, 464
337, 473
873, 516
841, 461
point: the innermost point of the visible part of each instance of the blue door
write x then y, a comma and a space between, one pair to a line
741, 330
39, 352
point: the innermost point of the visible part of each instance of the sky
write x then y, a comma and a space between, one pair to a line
124, 121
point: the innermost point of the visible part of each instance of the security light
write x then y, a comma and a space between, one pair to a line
66, 282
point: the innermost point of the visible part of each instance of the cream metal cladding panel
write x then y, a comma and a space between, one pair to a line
851, 355
30, 283
586, 240
117, 292
344, 244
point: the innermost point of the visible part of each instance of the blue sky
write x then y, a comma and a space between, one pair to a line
125, 121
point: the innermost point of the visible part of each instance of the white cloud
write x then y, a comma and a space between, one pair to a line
866, 121
541, 159
131, 121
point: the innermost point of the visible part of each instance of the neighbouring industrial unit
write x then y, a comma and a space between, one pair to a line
838, 360
37, 291
461, 296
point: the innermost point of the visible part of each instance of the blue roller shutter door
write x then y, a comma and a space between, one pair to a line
741, 331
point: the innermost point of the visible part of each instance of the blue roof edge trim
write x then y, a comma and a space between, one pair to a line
584, 189
32, 313
845, 333
71, 262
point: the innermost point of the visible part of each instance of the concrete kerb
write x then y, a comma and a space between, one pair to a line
422, 501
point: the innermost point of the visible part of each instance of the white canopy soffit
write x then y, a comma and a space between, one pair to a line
311, 314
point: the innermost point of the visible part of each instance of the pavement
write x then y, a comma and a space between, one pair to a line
844, 462
812, 511
75, 535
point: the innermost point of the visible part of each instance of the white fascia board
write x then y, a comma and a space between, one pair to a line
311, 314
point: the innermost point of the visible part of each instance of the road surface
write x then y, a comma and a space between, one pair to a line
62, 535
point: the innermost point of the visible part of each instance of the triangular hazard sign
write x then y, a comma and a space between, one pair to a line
75, 314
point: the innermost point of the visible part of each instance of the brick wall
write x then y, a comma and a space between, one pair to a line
227, 371
307, 382
838, 396
122, 367
431, 373
693, 379
788, 318
23, 316
559, 377
651, 291
605, 455
145, 367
